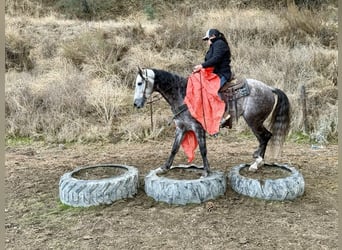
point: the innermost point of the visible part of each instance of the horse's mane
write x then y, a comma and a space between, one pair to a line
164, 77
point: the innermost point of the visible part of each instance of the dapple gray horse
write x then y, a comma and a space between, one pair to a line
255, 108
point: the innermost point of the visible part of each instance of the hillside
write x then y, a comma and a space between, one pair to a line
70, 72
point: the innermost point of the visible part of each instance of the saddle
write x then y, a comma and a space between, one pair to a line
230, 92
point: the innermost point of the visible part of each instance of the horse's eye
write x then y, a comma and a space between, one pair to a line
139, 83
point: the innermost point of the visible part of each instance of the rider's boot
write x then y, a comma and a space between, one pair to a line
226, 120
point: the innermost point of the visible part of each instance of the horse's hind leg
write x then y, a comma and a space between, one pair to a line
263, 136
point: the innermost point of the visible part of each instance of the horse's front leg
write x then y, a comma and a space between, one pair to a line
200, 133
175, 147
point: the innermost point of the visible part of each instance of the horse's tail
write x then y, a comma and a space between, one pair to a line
280, 121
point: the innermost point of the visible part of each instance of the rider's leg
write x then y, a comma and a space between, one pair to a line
223, 80
226, 114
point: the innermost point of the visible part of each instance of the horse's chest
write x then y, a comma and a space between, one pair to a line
184, 124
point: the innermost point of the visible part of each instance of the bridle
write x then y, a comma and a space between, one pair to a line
145, 79
147, 82
176, 112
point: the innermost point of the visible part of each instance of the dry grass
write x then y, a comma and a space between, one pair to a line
17, 52
100, 54
302, 21
74, 82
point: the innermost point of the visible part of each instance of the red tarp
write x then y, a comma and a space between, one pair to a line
204, 105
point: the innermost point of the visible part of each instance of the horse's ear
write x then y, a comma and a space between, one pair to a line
140, 72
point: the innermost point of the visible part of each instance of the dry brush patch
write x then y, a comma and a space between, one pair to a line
85, 71
17, 52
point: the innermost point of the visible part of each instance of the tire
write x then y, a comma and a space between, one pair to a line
287, 188
182, 192
84, 193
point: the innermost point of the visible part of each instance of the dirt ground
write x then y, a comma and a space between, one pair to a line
36, 219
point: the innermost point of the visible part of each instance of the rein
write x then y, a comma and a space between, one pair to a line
176, 112
154, 100
179, 110
203, 113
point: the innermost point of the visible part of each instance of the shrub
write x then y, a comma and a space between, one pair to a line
305, 25
43, 109
95, 49
108, 98
96, 10
17, 52
28, 7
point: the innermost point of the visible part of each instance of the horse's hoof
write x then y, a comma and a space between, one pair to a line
161, 170
205, 174
258, 162
253, 168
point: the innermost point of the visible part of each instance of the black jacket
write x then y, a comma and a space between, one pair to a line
218, 56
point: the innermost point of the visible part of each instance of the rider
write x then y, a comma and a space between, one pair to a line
217, 56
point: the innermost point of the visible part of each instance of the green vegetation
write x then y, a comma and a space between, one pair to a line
19, 141
71, 65
300, 137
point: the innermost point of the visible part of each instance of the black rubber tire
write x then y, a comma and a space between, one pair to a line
287, 188
182, 192
84, 193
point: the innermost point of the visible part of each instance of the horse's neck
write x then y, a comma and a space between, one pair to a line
172, 88
172, 99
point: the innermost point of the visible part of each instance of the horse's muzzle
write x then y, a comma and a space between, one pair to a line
139, 103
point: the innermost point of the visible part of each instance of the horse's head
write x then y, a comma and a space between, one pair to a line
143, 86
